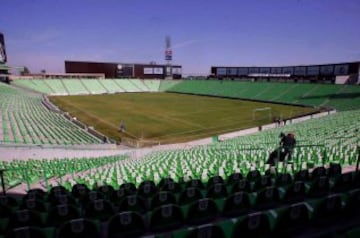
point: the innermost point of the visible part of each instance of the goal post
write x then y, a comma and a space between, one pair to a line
262, 113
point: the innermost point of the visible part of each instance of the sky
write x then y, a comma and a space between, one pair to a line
42, 34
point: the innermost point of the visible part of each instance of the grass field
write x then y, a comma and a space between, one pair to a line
168, 117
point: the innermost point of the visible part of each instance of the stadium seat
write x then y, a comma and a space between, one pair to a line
302, 175
202, 211
343, 183
166, 217
252, 225
162, 198
295, 192
262, 182
241, 185
214, 180
208, 230
292, 219
283, 179
189, 195
106, 190
196, 183
27, 231
237, 204
171, 187
147, 189
61, 213
319, 187
22, 218
217, 190
234, 177
126, 224
328, 210
34, 205
80, 191
133, 203
253, 175
78, 228
267, 198
99, 210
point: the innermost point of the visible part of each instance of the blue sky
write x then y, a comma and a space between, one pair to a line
41, 34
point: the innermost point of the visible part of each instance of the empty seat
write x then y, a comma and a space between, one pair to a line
334, 170
292, 220
342, 183
262, 182
218, 190
106, 190
8, 201
202, 211
252, 225
133, 203
319, 187
237, 204
267, 198
99, 209
352, 207
234, 178
196, 183
166, 217
214, 180
295, 192
302, 175
318, 172
162, 198
27, 231
253, 175
208, 230
171, 187
78, 228
189, 195
80, 191
329, 210
283, 179
126, 224
32, 204
241, 185
130, 188
147, 189
62, 213
23, 218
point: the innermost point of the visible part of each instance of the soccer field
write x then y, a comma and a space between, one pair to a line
169, 117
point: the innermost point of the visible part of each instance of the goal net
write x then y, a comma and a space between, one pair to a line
261, 114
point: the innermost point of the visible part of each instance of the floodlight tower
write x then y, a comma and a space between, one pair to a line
168, 58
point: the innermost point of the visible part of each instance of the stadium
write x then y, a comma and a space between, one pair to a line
118, 149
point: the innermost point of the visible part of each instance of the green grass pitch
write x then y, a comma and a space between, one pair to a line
169, 117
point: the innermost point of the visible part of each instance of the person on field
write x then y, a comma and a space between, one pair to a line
122, 127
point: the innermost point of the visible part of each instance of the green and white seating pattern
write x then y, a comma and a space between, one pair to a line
32, 171
94, 86
336, 96
321, 141
26, 121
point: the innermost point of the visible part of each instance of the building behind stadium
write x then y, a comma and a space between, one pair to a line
339, 73
123, 70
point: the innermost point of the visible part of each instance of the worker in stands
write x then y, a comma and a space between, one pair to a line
286, 146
